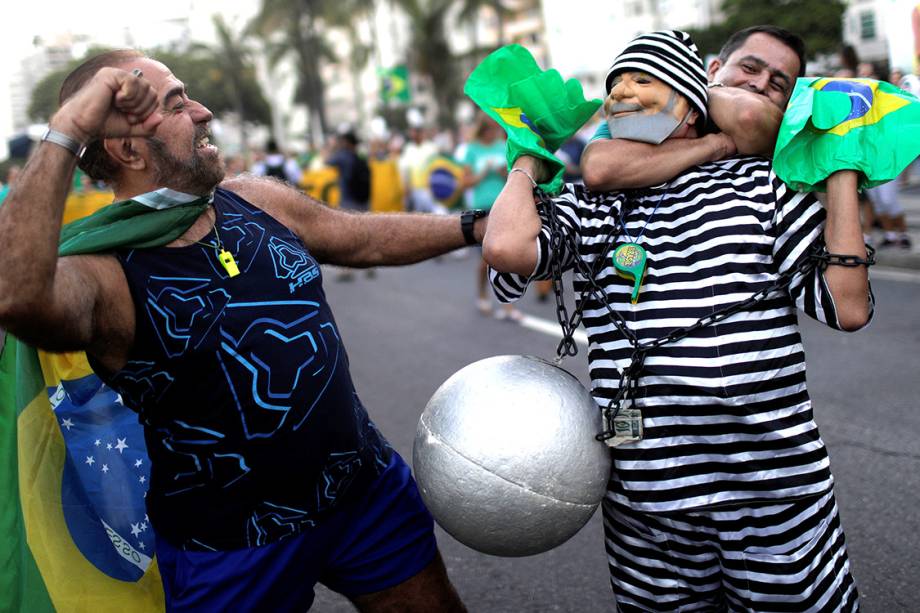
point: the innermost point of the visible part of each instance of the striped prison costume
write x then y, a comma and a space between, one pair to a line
726, 414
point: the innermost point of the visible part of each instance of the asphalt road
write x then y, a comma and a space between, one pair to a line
410, 328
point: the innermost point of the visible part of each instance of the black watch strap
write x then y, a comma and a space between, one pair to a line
467, 220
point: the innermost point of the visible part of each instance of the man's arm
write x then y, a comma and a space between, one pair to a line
511, 236
60, 304
843, 235
354, 239
622, 164
750, 119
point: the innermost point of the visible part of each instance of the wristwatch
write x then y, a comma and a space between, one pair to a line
467, 220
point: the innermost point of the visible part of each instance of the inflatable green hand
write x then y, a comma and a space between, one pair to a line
537, 109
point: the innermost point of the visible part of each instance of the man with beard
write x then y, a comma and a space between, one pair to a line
721, 495
205, 312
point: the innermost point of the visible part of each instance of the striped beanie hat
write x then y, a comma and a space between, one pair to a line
671, 56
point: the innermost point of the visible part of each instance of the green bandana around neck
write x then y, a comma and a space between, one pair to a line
149, 220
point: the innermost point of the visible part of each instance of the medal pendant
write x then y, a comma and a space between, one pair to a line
227, 261
629, 260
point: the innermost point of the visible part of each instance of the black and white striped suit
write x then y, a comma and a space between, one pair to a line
726, 413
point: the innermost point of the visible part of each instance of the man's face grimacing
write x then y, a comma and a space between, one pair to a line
644, 108
180, 153
763, 64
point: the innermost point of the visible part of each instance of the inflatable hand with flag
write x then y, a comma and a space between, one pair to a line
537, 109
835, 124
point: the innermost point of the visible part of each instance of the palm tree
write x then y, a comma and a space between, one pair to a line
233, 58
430, 53
347, 15
294, 27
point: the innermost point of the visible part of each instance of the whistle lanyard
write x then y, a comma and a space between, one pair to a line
223, 256
630, 259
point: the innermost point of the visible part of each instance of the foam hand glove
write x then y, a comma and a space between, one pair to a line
538, 110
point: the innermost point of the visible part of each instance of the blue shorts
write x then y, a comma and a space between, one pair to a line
374, 542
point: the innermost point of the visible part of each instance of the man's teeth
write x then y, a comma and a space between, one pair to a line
204, 142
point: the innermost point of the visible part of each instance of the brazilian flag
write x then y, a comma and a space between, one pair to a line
74, 534
394, 84
835, 124
538, 110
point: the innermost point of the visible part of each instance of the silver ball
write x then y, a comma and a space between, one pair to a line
505, 456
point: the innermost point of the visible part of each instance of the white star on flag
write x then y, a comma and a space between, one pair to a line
143, 525
105, 468
141, 545
138, 463
143, 479
90, 460
108, 446
121, 446
67, 423
97, 443
135, 529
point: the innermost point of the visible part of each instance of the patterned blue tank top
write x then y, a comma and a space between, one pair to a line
252, 423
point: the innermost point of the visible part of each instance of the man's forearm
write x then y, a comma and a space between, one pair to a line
354, 239
750, 119
396, 239
622, 164
30, 225
843, 235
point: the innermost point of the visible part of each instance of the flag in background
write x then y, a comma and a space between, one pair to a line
73, 476
834, 124
394, 84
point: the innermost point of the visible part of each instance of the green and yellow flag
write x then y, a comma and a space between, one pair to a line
538, 110
834, 124
74, 534
394, 85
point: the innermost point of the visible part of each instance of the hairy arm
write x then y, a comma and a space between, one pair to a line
66, 304
750, 119
354, 239
611, 164
843, 235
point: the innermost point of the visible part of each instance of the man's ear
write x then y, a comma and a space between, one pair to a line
691, 119
714, 67
124, 152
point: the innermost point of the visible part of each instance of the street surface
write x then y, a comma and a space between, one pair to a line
410, 328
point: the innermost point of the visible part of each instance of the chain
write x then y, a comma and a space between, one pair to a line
629, 376
850, 261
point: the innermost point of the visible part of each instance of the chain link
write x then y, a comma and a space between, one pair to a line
629, 376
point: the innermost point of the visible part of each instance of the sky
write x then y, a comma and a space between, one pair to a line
105, 19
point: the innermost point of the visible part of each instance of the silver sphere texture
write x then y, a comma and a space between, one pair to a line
505, 456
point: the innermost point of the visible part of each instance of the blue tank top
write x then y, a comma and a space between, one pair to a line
252, 423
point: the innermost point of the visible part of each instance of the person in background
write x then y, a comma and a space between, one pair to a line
354, 180
276, 164
11, 174
484, 176
417, 154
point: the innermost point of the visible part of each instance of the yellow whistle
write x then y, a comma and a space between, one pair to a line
229, 264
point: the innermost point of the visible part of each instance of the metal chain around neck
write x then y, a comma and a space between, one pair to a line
629, 376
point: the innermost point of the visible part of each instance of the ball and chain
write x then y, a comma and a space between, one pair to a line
629, 376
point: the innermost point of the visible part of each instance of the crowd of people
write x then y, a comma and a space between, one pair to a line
723, 500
